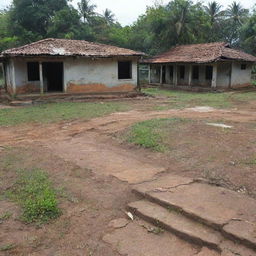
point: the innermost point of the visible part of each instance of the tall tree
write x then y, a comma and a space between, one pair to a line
236, 17
109, 16
216, 15
6, 39
65, 24
30, 18
248, 34
188, 22
213, 9
87, 10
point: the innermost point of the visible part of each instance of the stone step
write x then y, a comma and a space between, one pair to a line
177, 223
231, 213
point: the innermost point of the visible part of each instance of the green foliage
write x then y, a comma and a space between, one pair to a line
248, 34
151, 133
65, 24
87, 10
236, 17
161, 27
33, 15
35, 193
58, 111
6, 39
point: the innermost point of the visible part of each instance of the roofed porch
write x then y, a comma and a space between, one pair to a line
186, 75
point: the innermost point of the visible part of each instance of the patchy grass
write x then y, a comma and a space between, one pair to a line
5, 216
58, 111
34, 192
182, 99
151, 133
250, 161
7, 247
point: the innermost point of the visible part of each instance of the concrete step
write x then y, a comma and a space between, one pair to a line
226, 211
22, 103
52, 97
177, 223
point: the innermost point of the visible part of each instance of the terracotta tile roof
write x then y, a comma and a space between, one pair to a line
64, 47
201, 53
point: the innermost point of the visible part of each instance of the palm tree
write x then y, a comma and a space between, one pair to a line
214, 11
86, 10
109, 16
181, 16
236, 13
236, 17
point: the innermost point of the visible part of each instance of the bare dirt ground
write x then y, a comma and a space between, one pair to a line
86, 160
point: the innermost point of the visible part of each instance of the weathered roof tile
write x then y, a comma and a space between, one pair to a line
201, 53
65, 47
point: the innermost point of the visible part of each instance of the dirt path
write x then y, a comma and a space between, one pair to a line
111, 124
88, 145
66, 150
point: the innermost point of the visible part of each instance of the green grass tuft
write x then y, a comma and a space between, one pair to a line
35, 193
151, 133
55, 112
7, 247
5, 216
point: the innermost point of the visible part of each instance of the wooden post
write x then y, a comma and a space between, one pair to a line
161, 75
190, 75
214, 76
175, 75
41, 78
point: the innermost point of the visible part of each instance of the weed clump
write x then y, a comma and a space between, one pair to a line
36, 195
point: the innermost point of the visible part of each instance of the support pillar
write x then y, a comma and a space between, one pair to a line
3, 72
161, 75
190, 75
149, 74
41, 77
13, 78
214, 76
175, 75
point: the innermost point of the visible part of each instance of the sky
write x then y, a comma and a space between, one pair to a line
127, 11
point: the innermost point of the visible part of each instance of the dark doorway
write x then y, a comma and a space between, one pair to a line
208, 72
53, 76
164, 75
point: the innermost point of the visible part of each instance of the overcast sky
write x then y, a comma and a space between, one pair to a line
127, 11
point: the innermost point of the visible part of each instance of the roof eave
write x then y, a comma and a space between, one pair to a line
6, 55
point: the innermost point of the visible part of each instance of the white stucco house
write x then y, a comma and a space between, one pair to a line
211, 65
69, 66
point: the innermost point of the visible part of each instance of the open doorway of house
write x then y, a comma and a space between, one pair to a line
53, 76
164, 75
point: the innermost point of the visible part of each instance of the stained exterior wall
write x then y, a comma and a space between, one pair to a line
21, 78
80, 75
239, 77
100, 75
224, 75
